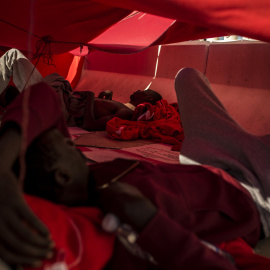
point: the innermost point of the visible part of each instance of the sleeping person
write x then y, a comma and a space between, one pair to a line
80, 108
173, 210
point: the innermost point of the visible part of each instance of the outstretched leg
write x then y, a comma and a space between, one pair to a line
14, 63
213, 138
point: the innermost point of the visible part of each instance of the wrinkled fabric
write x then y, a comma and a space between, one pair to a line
160, 122
72, 103
194, 203
67, 24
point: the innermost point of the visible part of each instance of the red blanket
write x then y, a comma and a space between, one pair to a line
244, 256
80, 243
160, 122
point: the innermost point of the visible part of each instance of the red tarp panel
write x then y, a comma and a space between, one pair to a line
23, 23
132, 34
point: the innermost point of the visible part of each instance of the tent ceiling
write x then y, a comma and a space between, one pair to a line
100, 23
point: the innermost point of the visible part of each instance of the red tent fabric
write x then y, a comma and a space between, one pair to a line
75, 22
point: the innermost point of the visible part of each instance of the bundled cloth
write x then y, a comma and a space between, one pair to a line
244, 256
160, 122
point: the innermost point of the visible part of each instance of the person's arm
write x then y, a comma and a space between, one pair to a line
128, 204
93, 122
107, 94
170, 244
24, 240
100, 123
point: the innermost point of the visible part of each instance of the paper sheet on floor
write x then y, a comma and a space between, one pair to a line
155, 153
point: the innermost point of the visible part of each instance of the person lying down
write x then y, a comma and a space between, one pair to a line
80, 108
176, 212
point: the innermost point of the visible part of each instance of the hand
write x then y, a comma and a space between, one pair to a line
24, 240
128, 204
106, 94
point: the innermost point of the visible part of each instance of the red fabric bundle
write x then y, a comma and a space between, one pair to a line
80, 242
162, 110
244, 256
160, 122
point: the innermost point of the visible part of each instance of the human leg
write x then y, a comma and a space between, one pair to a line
213, 138
14, 63
209, 130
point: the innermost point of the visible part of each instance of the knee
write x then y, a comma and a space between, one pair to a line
13, 54
13, 51
187, 73
185, 78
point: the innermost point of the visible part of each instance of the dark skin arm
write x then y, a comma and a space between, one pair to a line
128, 204
99, 111
24, 240
107, 94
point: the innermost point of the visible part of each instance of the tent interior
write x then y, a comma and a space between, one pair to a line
111, 46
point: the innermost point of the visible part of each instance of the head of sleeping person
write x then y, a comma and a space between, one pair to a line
56, 170
141, 96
